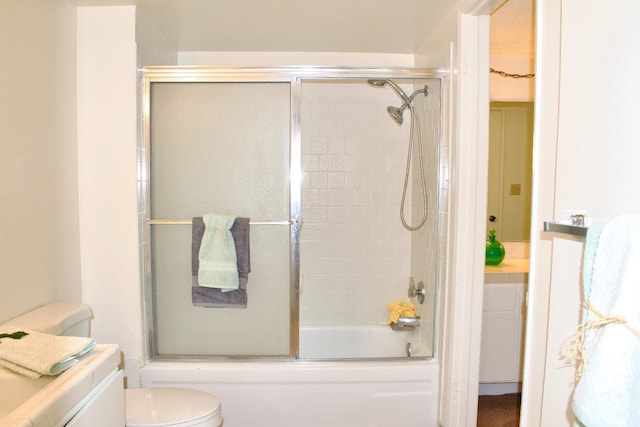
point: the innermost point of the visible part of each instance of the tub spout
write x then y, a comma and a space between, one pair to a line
409, 321
406, 323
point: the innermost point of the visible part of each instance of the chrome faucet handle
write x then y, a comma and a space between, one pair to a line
417, 292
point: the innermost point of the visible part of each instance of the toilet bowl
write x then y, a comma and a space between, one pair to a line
171, 407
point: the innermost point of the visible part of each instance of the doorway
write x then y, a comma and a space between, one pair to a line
512, 52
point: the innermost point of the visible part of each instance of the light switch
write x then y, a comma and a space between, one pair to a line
515, 190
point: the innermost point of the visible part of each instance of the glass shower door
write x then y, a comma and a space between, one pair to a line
219, 147
356, 257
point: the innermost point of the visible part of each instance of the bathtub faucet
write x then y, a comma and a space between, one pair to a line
403, 322
406, 323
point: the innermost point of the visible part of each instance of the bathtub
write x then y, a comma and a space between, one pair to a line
358, 341
302, 393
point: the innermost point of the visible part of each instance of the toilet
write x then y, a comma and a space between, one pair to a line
145, 407
170, 406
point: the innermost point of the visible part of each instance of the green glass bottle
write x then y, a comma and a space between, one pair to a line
494, 250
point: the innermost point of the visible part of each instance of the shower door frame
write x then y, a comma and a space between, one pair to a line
295, 77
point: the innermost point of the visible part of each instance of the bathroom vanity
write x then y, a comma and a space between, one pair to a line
89, 393
503, 326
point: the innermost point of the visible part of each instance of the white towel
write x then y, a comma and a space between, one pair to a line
608, 392
217, 257
36, 354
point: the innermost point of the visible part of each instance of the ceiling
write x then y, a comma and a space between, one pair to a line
368, 26
513, 29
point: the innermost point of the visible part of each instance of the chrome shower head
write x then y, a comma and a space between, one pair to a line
394, 86
396, 113
374, 82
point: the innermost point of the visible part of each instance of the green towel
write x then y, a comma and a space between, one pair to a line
35, 354
217, 256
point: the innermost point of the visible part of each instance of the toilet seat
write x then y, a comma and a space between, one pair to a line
169, 406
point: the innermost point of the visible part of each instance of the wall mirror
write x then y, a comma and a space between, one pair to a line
510, 159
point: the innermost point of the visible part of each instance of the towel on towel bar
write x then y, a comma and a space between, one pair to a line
217, 256
36, 354
212, 297
607, 392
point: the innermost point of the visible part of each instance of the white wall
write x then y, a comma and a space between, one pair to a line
462, 42
107, 146
153, 46
39, 255
586, 112
275, 59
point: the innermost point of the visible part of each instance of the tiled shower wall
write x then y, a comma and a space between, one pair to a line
356, 257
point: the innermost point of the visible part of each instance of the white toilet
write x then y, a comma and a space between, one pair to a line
145, 407
167, 406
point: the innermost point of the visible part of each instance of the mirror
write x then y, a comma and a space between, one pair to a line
510, 160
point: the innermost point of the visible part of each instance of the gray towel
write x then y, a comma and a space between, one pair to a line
213, 297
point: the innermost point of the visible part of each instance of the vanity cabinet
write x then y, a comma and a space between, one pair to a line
502, 330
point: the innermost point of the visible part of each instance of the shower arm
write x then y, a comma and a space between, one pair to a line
424, 91
406, 99
409, 100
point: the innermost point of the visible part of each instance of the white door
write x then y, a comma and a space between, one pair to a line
587, 126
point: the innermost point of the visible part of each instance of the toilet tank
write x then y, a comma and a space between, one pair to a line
63, 318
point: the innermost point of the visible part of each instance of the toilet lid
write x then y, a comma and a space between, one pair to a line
165, 406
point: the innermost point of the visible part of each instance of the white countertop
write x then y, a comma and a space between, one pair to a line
58, 395
509, 266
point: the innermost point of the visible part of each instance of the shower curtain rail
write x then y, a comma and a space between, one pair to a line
188, 222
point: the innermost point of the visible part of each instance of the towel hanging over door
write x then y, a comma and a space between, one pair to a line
212, 297
217, 255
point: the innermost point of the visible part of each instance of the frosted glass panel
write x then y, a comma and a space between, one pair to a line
220, 148
262, 329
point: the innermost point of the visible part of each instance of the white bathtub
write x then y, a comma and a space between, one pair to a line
350, 393
359, 341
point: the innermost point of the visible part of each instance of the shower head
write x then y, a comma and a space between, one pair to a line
373, 82
394, 86
396, 113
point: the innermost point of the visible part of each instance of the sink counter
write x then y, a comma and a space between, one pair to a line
54, 401
509, 266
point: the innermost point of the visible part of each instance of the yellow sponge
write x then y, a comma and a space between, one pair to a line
400, 309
